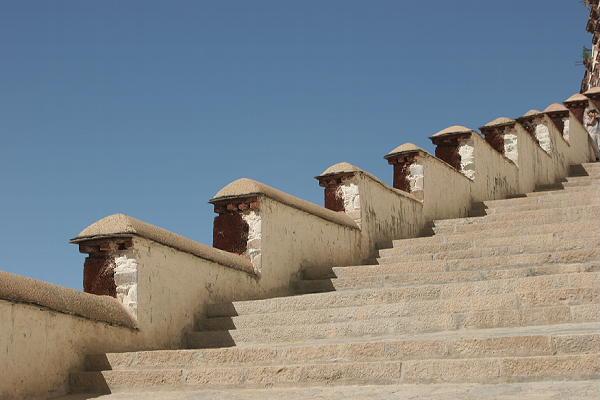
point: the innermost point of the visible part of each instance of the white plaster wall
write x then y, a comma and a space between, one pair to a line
39, 347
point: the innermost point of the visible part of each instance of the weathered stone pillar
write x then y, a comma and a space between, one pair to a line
577, 105
593, 96
409, 173
341, 189
501, 135
455, 146
559, 115
237, 227
110, 269
533, 122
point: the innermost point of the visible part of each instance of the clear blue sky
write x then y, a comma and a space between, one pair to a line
150, 107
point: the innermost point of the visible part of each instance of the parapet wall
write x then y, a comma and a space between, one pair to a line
265, 239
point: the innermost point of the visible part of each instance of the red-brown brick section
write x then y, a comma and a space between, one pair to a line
230, 231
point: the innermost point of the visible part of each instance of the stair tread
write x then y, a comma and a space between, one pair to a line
572, 390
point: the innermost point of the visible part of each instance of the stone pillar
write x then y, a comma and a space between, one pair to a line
341, 189
455, 147
109, 269
500, 134
236, 228
577, 105
533, 122
408, 169
559, 115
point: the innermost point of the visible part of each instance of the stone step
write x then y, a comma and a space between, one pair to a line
546, 205
579, 181
547, 389
573, 189
536, 198
515, 248
399, 264
389, 325
486, 264
575, 213
498, 342
505, 235
551, 289
441, 243
523, 219
498, 369
354, 278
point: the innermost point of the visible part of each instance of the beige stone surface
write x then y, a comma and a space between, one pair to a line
582, 390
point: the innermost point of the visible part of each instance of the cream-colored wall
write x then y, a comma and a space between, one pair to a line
446, 192
386, 213
496, 177
174, 288
38, 348
293, 240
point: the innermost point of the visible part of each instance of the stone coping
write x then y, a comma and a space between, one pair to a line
245, 187
21, 289
345, 167
452, 130
498, 122
404, 148
123, 225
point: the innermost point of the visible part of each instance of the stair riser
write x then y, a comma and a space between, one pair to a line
503, 236
502, 370
372, 280
395, 326
532, 241
516, 248
574, 189
431, 312
587, 181
386, 323
487, 225
572, 213
588, 281
507, 369
537, 198
555, 205
390, 350
399, 264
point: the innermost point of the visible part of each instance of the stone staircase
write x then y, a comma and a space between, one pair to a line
509, 297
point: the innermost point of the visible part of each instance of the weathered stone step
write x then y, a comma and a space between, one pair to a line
408, 300
545, 205
398, 264
524, 219
385, 325
572, 213
478, 264
518, 341
500, 369
505, 235
536, 198
353, 278
579, 181
515, 248
563, 390
592, 190
441, 243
